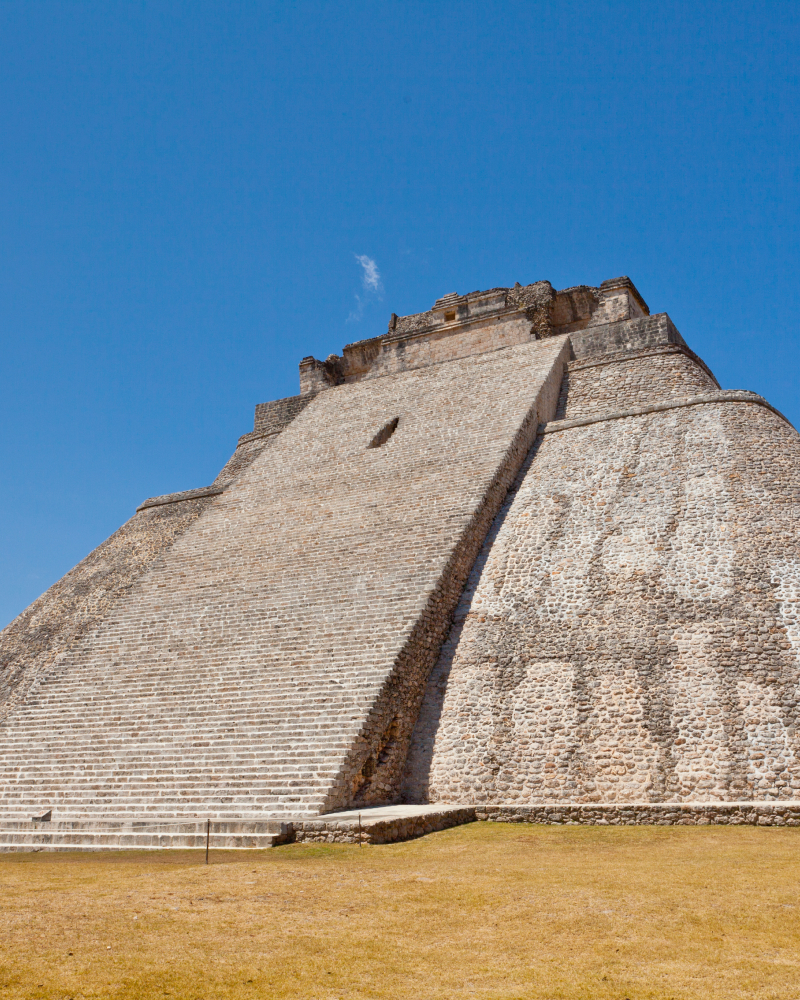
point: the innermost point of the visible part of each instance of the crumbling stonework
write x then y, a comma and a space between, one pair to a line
520, 553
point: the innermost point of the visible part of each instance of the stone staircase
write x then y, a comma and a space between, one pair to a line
267, 748
271, 661
376, 825
120, 835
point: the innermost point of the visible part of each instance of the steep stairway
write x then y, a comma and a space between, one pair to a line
271, 662
108, 835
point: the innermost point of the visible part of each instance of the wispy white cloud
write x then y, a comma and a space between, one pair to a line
371, 284
371, 276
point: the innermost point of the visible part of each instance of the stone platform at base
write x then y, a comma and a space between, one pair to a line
751, 813
148, 835
373, 825
377, 825
381, 824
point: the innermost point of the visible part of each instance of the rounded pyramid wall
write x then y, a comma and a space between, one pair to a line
631, 629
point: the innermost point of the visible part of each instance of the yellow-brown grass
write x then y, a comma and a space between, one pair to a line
488, 911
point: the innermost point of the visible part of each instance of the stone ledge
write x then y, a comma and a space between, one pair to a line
333, 830
256, 436
723, 396
203, 491
142, 835
648, 814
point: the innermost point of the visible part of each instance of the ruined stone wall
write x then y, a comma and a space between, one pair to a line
625, 335
275, 657
461, 325
619, 381
630, 630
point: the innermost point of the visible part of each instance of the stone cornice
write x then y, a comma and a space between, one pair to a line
198, 494
723, 396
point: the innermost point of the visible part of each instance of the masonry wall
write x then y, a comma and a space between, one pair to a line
615, 382
631, 629
275, 657
625, 335
273, 417
39, 637
400, 353
35, 642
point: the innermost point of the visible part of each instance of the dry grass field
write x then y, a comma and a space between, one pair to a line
485, 911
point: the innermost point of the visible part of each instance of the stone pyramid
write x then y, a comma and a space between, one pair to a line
521, 551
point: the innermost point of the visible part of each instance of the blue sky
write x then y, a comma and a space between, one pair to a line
191, 192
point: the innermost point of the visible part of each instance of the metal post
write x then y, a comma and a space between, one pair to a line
359, 829
208, 836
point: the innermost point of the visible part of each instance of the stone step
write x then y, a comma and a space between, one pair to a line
204, 690
171, 810
149, 793
149, 774
98, 835
157, 719
376, 825
105, 760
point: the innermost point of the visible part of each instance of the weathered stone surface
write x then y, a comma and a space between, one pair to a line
626, 648
618, 380
38, 638
111, 835
381, 830
648, 814
629, 630
276, 656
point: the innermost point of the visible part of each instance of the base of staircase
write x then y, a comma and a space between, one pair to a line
375, 825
